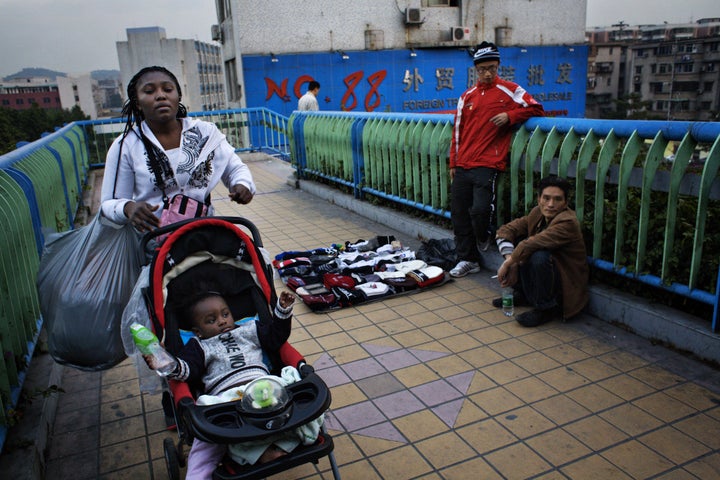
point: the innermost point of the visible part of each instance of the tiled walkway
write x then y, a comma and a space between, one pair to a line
436, 385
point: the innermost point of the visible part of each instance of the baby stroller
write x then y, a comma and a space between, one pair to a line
217, 247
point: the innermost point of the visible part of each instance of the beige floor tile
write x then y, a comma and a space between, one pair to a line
636, 459
441, 330
674, 445
420, 425
450, 365
349, 354
486, 436
452, 312
323, 329
122, 430
535, 362
410, 310
381, 316
354, 322
131, 473
433, 300
371, 446
623, 361
124, 408
346, 452
402, 463
563, 379
474, 469
631, 419
706, 467
469, 323
481, 357
469, 413
702, 428
366, 333
525, 422
626, 387
693, 395
558, 447
490, 334
415, 375
496, 401
664, 406
511, 348
517, 462
505, 372
595, 398
347, 394
594, 468
120, 455
594, 370
336, 340
531, 389
541, 340
460, 343
593, 346
119, 373
596, 433
480, 382
566, 354
561, 409
396, 326
412, 338
656, 377
358, 471
444, 450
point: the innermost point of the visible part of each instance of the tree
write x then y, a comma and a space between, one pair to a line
28, 125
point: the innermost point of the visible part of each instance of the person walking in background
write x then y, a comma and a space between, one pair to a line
481, 136
308, 102
545, 257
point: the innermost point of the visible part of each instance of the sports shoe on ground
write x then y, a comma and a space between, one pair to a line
463, 268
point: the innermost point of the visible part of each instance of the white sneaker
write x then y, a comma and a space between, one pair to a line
463, 268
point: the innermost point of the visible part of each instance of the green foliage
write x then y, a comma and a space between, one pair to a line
29, 125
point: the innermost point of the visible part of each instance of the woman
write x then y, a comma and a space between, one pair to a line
188, 156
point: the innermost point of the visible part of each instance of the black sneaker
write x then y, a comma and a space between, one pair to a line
535, 318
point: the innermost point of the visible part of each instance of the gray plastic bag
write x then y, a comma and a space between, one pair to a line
84, 281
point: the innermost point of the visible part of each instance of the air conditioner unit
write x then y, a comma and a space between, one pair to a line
216, 33
413, 16
459, 34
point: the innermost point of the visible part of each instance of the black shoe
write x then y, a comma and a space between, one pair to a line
535, 318
518, 301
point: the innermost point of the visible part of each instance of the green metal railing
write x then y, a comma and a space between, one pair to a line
629, 197
41, 188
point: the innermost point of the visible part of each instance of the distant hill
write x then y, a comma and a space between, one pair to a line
34, 72
28, 72
105, 75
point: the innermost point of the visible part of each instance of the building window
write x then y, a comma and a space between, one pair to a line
638, 69
19, 101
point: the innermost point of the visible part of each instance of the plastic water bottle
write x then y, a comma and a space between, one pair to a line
507, 301
148, 344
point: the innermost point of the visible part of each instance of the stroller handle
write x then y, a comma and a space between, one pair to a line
254, 232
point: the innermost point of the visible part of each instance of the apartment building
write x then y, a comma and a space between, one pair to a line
674, 70
197, 65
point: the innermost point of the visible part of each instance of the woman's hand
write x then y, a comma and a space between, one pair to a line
141, 215
286, 299
241, 194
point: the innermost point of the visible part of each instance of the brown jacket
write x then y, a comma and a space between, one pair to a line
564, 240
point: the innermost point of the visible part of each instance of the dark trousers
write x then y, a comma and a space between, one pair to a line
539, 281
472, 209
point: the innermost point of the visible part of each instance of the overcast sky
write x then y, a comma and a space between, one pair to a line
77, 36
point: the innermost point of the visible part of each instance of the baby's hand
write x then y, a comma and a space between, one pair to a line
286, 299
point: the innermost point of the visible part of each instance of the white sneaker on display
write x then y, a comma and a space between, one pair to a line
463, 268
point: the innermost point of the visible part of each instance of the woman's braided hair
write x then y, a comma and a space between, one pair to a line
132, 110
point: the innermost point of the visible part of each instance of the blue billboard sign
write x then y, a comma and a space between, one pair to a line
413, 81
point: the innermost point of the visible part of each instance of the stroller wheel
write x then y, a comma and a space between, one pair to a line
172, 461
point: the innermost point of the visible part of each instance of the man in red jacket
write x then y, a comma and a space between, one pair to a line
485, 115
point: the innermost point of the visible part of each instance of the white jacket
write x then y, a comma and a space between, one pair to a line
204, 159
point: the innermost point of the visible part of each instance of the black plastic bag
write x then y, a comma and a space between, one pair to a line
84, 281
440, 253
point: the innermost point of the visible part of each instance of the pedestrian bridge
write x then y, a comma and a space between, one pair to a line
645, 192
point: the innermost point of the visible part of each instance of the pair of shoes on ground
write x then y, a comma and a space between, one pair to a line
535, 318
464, 268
